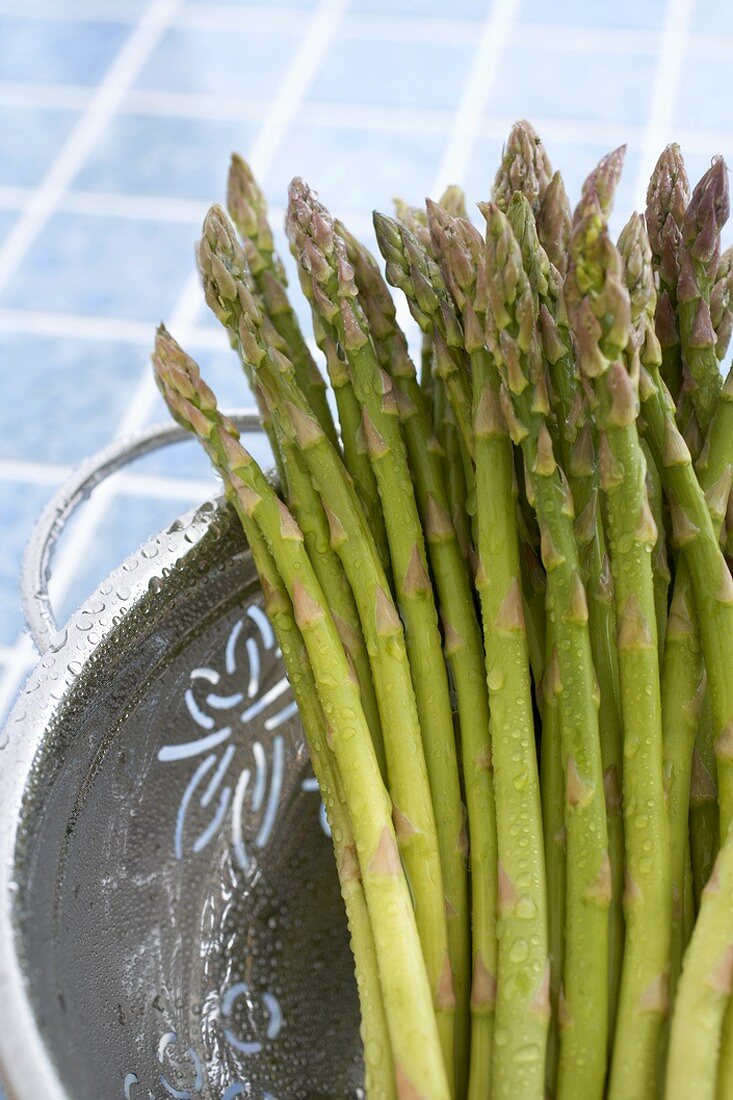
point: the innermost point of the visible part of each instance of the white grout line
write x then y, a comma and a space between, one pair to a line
664, 93
59, 97
586, 39
119, 77
481, 76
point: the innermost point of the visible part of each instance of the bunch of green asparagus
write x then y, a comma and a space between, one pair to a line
502, 596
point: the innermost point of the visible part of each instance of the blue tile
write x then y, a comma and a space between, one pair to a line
78, 391
106, 266
181, 158
704, 92
246, 63
530, 88
30, 138
384, 73
712, 17
597, 13
57, 52
424, 9
20, 505
356, 171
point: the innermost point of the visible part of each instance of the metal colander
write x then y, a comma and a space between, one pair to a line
170, 917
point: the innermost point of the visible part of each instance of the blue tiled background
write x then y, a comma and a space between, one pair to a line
117, 118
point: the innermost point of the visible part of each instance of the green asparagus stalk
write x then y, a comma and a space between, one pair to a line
704, 811
248, 210
714, 471
704, 217
635, 250
660, 561
599, 308
522, 993
552, 789
179, 379
415, 219
462, 642
352, 437
204, 265
704, 990
309, 224
554, 223
696, 537
721, 304
600, 186
715, 467
410, 269
525, 166
666, 201
576, 444
229, 284
682, 673
515, 342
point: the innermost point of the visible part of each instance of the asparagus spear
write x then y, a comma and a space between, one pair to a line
598, 304
704, 990
552, 790
682, 673
577, 445
515, 342
704, 809
636, 254
600, 186
525, 166
229, 289
462, 642
321, 248
180, 381
721, 303
415, 219
411, 270
522, 1009
554, 223
248, 210
352, 437
666, 201
704, 217
712, 585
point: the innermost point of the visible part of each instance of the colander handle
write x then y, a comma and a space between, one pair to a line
39, 550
